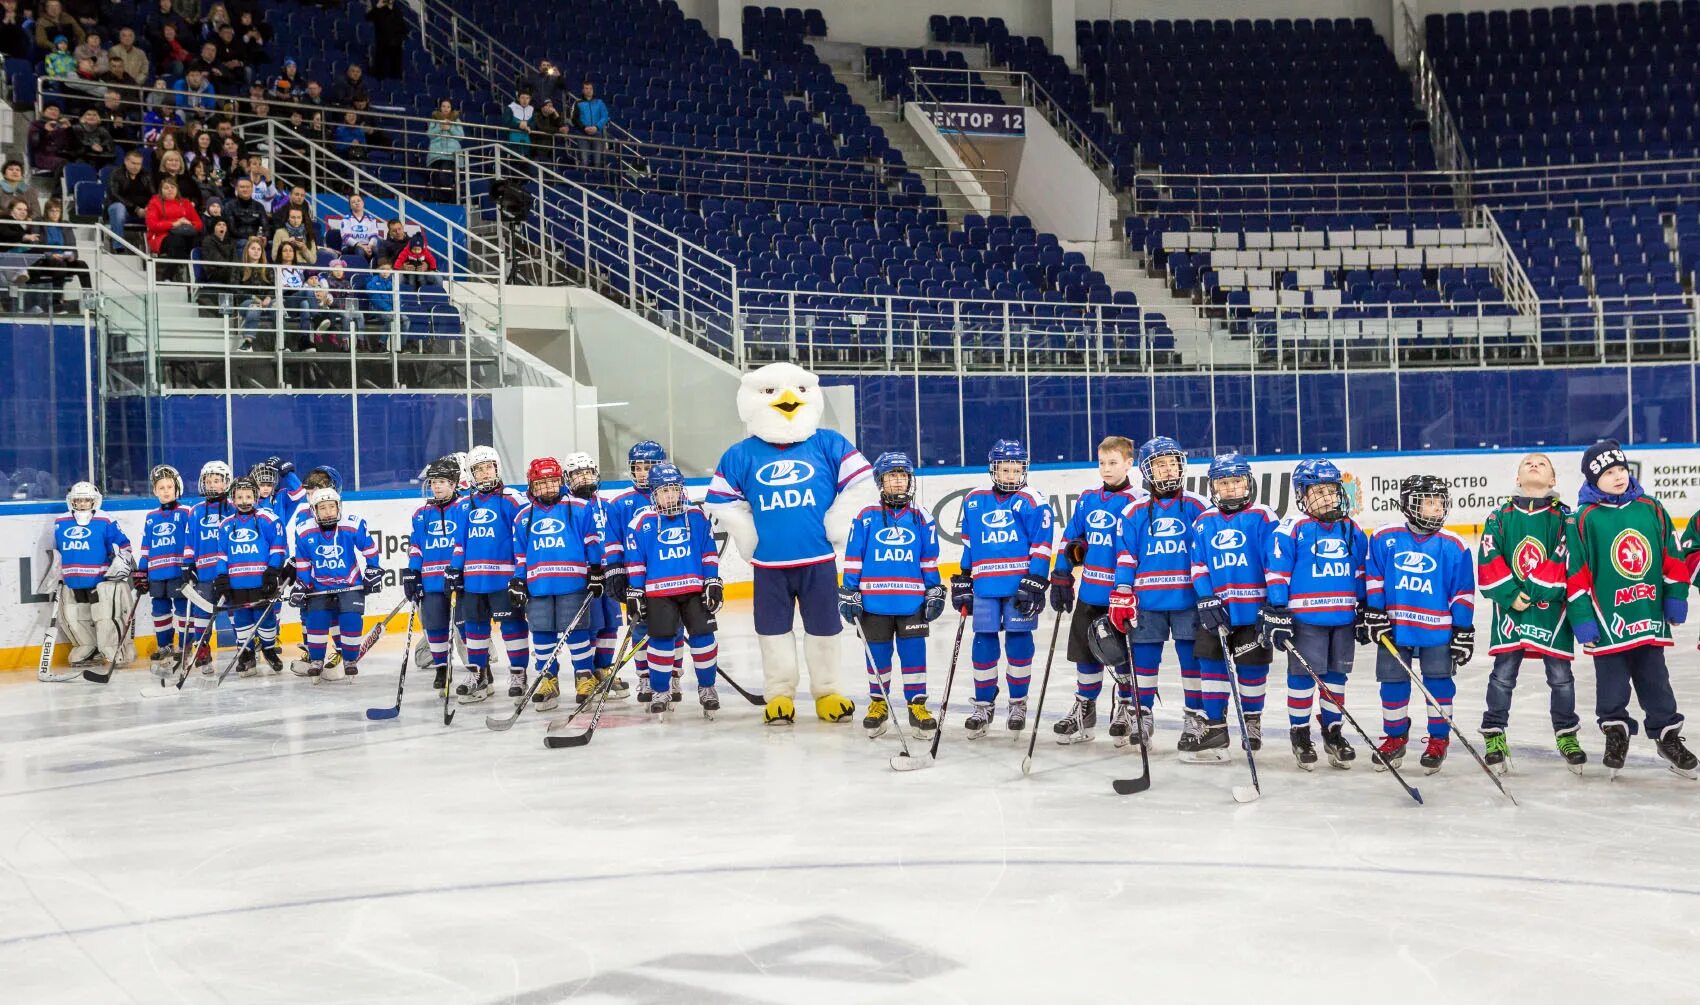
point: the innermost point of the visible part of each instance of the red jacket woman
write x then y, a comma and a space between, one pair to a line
173, 225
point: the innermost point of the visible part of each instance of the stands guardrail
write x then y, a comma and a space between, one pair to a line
1448, 140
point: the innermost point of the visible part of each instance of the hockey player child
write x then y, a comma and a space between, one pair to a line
206, 518
336, 566
1420, 591
322, 477
558, 567
1006, 563
1627, 588
248, 573
1520, 567
161, 563
673, 571
480, 570
1229, 544
1315, 574
281, 495
1154, 600
892, 591
623, 509
583, 480
1090, 543
94, 562
431, 548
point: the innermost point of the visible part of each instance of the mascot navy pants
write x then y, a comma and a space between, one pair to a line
779, 593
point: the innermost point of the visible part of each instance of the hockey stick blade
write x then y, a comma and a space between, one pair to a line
1304, 665
904, 762
96, 677
1434, 704
380, 714
1131, 786
754, 699
1245, 794
503, 723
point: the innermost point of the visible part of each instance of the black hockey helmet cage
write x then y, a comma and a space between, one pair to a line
1108, 646
262, 474
887, 463
1414, 490
238, 485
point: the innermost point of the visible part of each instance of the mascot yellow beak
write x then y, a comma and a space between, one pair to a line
788, 403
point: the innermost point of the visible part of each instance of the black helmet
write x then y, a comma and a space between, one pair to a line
1413, 489
1108, 646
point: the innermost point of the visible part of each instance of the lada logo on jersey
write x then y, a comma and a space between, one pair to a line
440, 528
673, 535
328, 551
895, 537
1630, 554
1228, 540
1167, 526
76, 533
1414, 562
480, 517
548, 525
1329, 547
211, 521
778, 474
1528, 556
998, 519
244, 535
1101, 519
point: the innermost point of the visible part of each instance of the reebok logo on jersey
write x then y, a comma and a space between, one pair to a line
778, 474
548, 525
1630, 554
673, 535
1329, 547
440, 528
482, 516
1228, 540
998, 519
244, 535
327, 551
1101, 519
894, 537
1167, 526
76, 533
1414, 562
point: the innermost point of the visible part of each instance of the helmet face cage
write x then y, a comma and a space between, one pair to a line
1012, 454
1229, 497
669, 499
476, 458
214, 469
583, 478
1417, 490
83, 492
162, 472
263, 475
1324, 508
445, 470
322, 497
249, 486
1155, 450
641, 459
893, 463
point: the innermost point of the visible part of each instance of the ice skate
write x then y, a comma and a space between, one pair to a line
248, 666
922, 725
1496, 751
1076, 726
1304, 751
1677, 757
475, 686
1254, 730
618, 689
1390, 753
879, 714
658, 704
516, 683
709, 699
1434, 754
1017, 717
1617, 747
1210, 746
1192, 728
439, 677
548, 694
274, 659
1121, 722
1340, 753
584, 685
1570, 748
978, 721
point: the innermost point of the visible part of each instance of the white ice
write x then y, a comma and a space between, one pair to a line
266, 843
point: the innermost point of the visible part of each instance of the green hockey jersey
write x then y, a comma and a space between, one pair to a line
1623, 563
1522, 552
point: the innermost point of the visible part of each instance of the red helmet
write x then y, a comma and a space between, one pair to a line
542, 467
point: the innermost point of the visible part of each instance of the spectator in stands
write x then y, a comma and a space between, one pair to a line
254, 285
548, 127
172, 165
260, 174
128, 192
292, 281
234, 54
91, 141
91, 50
153, 29
352, 87
312, 94
295, 231
200, 145
518, 121
389, 35
590, 121
195, 95
17, 236
60, 62
253, 35
259, 111
297, 200
52, 21
230, 161
218, 16
286, 86
87, 12
50, 141
129, 64
170, 55
350, 138
445, 132
15, 41
360, 230
60, 262
219, 261
395, 240
174, 227
331, 313
126, 132
544, 83
416, 258
13, 184
161, 119
380, 298
248, 217
202, 183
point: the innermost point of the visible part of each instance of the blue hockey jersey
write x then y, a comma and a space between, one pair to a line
1425, 582
1317, 570
1228, 550
334, 559
249, 543
891, 558
164, 551
85, 550
484, 534
286, 500
789, 488
670, 555
1005, 537
1096, 516
555, 546
434, 543
622, 510
1154, 555
206, 540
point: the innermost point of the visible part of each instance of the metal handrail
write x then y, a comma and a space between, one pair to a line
1444, 133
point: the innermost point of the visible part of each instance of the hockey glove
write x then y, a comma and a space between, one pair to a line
517, 593
298, 595
614, 583
1676, 611
1586, 632
1062, 592
191, 575
713, 594
933, 607
411, 587
1124, 610
962, 593
271, 587
1212, 616
374, 581
454, 580
220, 590
139, 579
595, 581
637, 609
283, 467
1463, 645
1373, 627
1075, 550
1275, 625
1030, 595
287, 573
849, 605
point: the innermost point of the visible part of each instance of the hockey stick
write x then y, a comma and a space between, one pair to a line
622, 657
401, 681
754, 699
95, 677
43, 670
1392, 650
449, 676
1304, 664
1242, 794
902, 762
1132, 786
1044, 681
599, 697
502, 725
949, 678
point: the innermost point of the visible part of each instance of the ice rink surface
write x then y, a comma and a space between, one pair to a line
266, 843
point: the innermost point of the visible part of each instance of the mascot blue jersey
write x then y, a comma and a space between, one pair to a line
789, 488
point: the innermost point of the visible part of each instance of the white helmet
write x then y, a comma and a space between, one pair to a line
325, 495
465, 470
165, 471
485, 455
82, 491
214, 468
578, 484
578, 461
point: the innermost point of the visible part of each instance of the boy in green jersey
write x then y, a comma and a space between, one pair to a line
1520, 567
1628, 586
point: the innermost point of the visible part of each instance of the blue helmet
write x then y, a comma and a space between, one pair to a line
1007, 452
644, 452
331, 473
885, 464
1311, 474
664, 474
1149, 451
1230, 465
